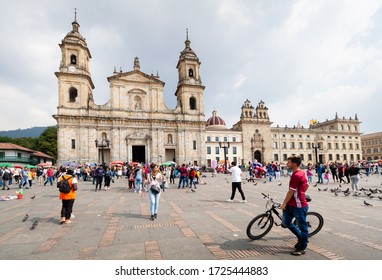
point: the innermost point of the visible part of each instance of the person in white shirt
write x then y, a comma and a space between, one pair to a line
236, 182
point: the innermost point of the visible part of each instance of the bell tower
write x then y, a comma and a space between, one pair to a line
189, 92
74, 81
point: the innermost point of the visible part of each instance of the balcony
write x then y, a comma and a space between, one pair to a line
12, 159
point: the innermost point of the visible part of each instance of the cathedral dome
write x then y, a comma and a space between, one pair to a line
215, 120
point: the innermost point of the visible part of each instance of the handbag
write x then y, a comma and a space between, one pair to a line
155, 189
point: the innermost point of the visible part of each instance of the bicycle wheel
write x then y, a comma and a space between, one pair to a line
315, 222
259, 226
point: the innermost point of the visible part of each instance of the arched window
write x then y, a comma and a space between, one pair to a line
191, 73
342, 127
349, 127
368, 151
193, 103
355, 128
375, 150
73, 94
73, 59
104, 135
137, 103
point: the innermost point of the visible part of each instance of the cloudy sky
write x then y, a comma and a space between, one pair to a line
304, 59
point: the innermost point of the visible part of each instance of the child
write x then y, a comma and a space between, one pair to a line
309, 174
326, 176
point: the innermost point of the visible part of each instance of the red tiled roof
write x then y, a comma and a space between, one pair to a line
10, 146
41, 154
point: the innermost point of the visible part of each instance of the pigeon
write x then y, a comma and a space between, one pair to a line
193, 190
265, 181
280, 184
315, 185
34, 225
25, 217
33, 197
340, 185
336, 194
379, 191
368, 194
255, 184
371, 197
374, 191
380, 197
319, 189
367, 204
347, 193
355, 194
325, 189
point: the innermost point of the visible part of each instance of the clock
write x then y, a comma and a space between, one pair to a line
72, 69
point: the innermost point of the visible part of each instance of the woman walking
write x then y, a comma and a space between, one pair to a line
154, 181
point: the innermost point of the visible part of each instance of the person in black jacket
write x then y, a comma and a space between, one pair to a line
353, 171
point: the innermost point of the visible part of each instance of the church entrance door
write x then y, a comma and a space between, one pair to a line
139, 153
258, 156
170, 155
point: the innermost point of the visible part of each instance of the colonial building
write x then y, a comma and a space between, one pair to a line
372, 146
18, 155
136, 125
253, 137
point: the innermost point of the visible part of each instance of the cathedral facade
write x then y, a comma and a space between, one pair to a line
136, 126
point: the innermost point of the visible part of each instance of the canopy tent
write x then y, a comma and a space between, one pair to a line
168, 163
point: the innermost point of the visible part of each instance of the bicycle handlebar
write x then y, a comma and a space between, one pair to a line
276, 204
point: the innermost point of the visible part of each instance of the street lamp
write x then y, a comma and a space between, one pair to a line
315, 147
223, 146
103, 144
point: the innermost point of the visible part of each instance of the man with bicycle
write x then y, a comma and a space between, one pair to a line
295, 205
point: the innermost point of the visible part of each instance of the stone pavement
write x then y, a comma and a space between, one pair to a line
115, 225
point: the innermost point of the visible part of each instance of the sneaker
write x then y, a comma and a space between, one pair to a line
155, 216
229, 200
62, 221
140, 192
298, 252
243, 201
68, 221
72, 216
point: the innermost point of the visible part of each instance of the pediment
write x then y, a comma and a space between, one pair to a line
135, 76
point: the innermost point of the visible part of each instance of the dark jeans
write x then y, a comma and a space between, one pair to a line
320, 180
183, 181
237, 185
107, 181
334, 176
67, 208
301, 231
99, 182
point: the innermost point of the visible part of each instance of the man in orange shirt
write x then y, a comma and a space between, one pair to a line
68, 198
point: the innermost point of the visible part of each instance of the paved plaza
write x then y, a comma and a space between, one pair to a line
115, 224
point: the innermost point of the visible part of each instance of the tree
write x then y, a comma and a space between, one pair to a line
47, 142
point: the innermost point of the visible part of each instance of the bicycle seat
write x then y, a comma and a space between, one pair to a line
308, 198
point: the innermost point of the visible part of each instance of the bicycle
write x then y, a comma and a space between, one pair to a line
260, 225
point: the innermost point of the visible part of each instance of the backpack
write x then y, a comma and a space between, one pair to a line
6, 176
64, 186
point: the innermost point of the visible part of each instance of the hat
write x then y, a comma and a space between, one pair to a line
72, 168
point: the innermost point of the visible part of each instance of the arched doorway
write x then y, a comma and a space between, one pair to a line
258, 156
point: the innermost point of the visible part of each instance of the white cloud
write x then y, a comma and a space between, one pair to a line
317, 57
